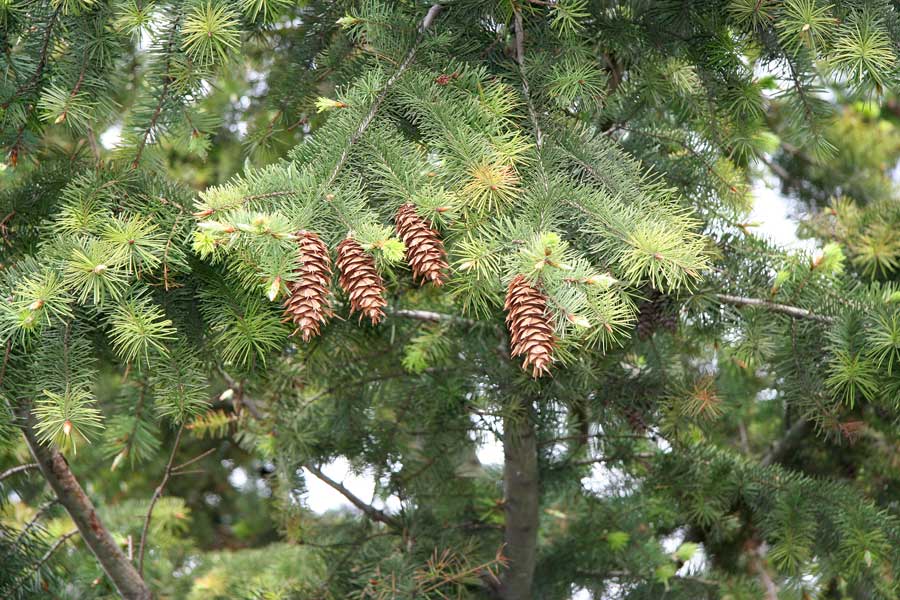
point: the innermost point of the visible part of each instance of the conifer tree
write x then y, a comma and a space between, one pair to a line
536, 214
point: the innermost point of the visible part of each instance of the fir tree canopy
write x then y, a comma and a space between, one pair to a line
245, 242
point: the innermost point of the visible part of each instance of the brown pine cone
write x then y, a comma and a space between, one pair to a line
361, 281
309, 302
424, 249
529, 326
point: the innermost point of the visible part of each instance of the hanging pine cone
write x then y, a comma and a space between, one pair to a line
658, 312
309, 303
529, 326
424, 249
361, 281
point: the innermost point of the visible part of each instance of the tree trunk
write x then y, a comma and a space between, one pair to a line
115, 564
521, 498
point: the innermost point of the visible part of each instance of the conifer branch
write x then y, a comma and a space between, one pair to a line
793, 311
427, 21
526, 90
191, 461
42, 62
13, 470
43, 560
71, 495
156, 495
32, 522
163, 95
367, 509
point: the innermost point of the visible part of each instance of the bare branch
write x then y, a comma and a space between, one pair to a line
13, 470
193, 460
434, 317
793, 311
367, 509
156, 495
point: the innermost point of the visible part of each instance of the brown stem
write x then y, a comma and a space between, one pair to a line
784, 445
167, 81
42, 63
13, 470
367, 509
156, 495
115, 564
62, 540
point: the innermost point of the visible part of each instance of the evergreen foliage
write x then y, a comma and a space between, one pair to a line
702, 415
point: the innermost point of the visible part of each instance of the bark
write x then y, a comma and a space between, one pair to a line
521, 498
115, 564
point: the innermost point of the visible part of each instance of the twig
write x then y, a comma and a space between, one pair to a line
430, 16
784, 445
367, 509
28, 526
167, 81
13, 470
5, 360
434, 317
42, 63
794, 311
62, 540
193, 460
156, 495
526, 91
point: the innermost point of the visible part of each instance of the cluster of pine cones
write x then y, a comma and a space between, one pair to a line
309, 303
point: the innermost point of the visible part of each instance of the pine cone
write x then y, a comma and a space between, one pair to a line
309, 303
424, 249
529, 326
361, 281
658, 312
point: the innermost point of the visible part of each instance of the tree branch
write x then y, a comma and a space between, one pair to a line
427, 21
783, 446
526, 91
156, 495
42, 63
434, 317
115, 564
367, 509
167, 82
50, 551
793, 311
13, 470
